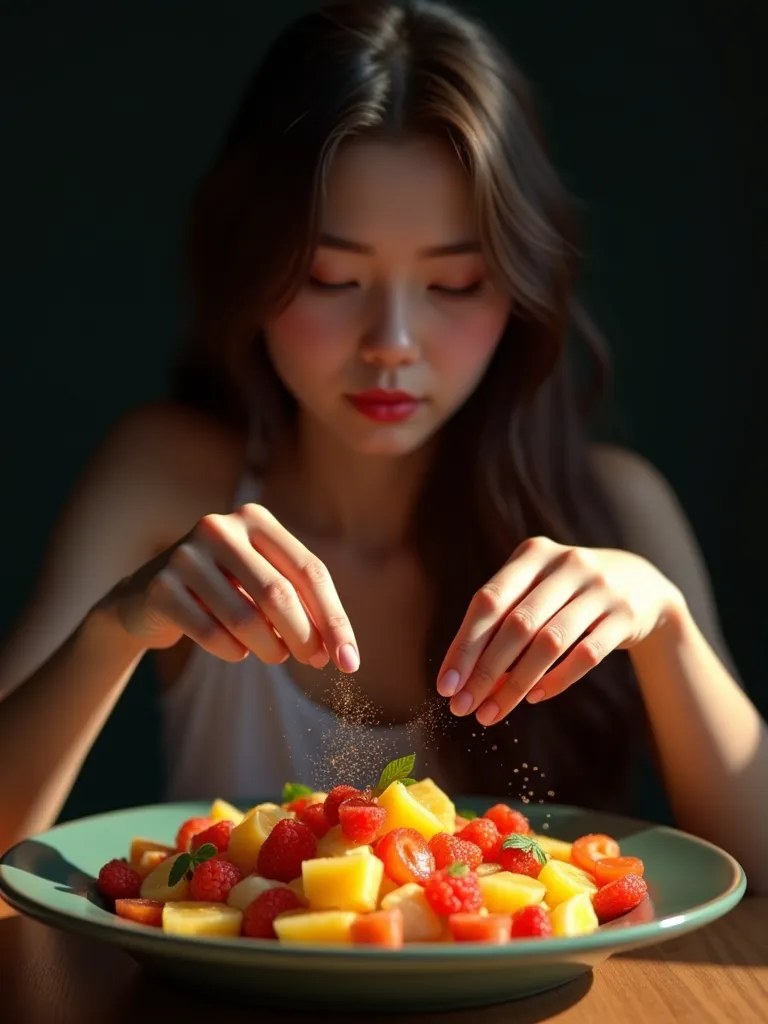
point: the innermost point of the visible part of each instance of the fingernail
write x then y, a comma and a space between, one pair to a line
535, 696
487, 713
462, 703
448, 683
319, 660
349, 659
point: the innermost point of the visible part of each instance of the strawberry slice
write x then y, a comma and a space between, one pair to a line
406, 856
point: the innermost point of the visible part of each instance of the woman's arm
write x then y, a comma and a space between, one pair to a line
712, 743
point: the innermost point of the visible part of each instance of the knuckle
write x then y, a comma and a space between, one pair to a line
483, 675
533, 545
553, 639
184, 557
315, 571
521, 622
592, 652
211, 523
254, 514
488, 598
278, 593
338, 622
465, 645
579, 559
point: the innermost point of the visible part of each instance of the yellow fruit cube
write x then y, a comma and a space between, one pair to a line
155, 886
342, 883
387, 886
141, 846
574, 916
487, 869
315, 926
556, 849
404, 811
335, 844
201, 919
430, 795
563, 881
223, 811
420, 922
297, 884
249, 889
505, 892
248, 837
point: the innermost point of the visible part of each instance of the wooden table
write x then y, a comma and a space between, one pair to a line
714, 976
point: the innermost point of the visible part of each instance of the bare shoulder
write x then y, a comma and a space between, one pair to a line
656, 526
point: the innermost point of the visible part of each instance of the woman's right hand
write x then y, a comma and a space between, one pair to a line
239, 583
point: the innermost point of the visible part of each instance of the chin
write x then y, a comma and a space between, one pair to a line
388, 442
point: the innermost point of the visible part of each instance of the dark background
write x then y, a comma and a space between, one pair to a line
110, 112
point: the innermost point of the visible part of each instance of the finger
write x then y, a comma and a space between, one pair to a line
273, 593
529, 626
175, 603
606, 637
312, 581
229, 605
486, 610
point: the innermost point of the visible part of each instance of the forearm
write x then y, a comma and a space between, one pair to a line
712, 743
50, 722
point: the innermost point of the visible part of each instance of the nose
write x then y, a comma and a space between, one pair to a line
390, 340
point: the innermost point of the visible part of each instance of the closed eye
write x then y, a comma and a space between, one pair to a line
331, 286
470, 289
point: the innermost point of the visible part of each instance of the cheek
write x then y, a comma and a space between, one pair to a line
303, 330
468, 342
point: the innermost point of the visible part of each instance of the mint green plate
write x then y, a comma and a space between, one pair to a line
51, 877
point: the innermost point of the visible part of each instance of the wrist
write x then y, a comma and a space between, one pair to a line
104, 625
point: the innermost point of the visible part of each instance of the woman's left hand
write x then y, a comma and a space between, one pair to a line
550, 603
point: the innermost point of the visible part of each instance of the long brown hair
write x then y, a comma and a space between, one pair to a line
513, 461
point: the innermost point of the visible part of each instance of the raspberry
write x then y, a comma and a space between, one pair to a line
118, 881
286, 847
519, 862
337, 796
454, 890
361, 819
299, 804
619, 897
314, 816
449, 850
508, 820
190, 828
531, 922
259, 916
483, 833
217, 834
213, 879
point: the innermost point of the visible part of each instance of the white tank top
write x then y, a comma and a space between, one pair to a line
240, 731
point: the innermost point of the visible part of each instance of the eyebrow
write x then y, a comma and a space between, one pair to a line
431, 252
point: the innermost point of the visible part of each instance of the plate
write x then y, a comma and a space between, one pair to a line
51, 877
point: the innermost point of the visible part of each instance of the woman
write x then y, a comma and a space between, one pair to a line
376, 464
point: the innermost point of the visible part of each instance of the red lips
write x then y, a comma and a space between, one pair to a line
385, 406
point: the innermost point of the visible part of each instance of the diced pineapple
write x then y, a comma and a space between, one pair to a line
315, 926
335, 844
201, 919
141, 846
505, 892
249, 889
487, 869
556, 849
420, 922
248, 837
574, 916
435, 800
387, 886
223, 811
155, 886
342, 883
297, 884
563, 881
403, 811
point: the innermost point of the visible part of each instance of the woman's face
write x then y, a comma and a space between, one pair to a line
399, 317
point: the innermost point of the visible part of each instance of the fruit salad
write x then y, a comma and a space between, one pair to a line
392, 864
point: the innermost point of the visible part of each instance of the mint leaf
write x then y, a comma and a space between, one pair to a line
398, 770
293, 790
204, 852
525, 843
408, 782
468, 815
457, 870
180, 867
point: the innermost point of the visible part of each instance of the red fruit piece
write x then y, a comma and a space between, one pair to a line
118, 881
285, 849
454, 890
507, 820
607, 869
587, 850
218, 835
299, 804
361, 819
313, 815
531, 923
448, 849
379, 928
493, 928
148, 912
212, 880
520, 862
336, 797
406, 856
619, 897
189, 829
259, 916
483, 833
